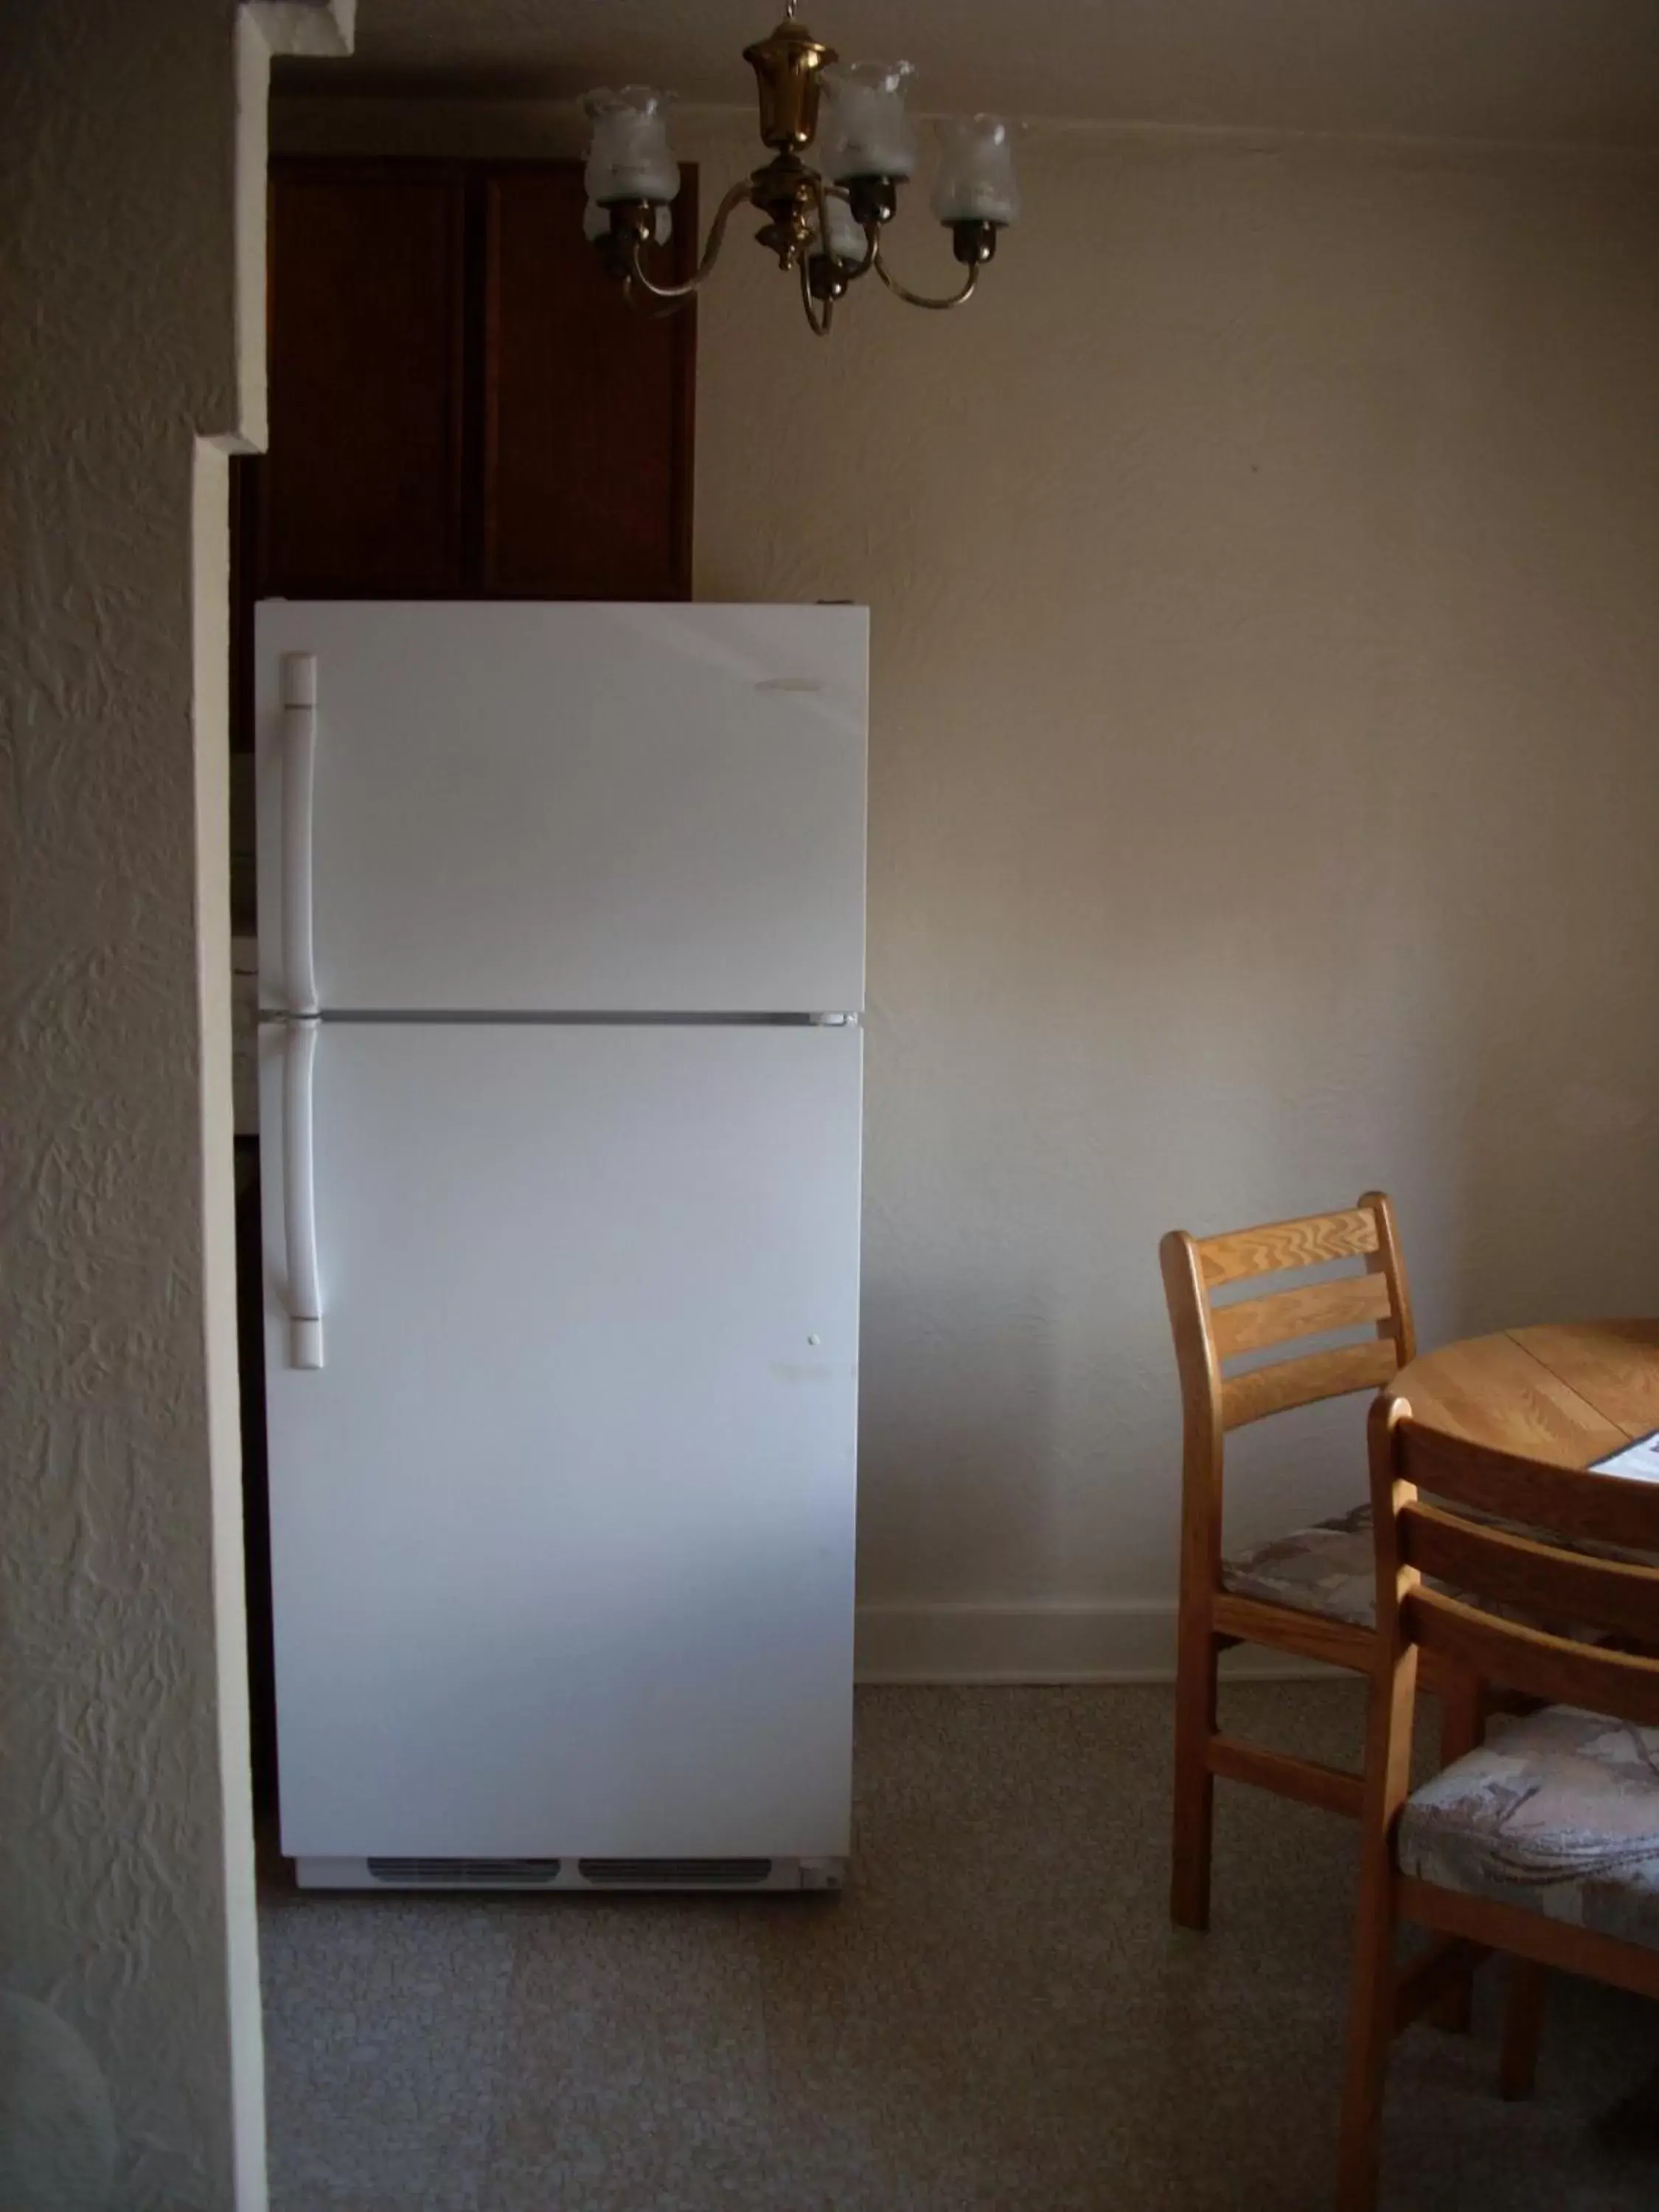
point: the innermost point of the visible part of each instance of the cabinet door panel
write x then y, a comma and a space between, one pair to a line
362, 488
587, 489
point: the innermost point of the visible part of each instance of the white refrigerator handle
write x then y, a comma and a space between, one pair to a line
305, 1298
299, 769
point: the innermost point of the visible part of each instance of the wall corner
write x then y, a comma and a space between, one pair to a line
318, 28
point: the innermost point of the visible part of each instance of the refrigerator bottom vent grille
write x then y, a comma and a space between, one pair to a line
469, 1873
727, 1872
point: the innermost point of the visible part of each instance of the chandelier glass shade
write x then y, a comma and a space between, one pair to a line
825, 223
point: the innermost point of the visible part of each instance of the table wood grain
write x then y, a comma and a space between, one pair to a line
1567, 1391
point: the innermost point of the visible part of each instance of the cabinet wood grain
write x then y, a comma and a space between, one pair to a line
364, 490
587, 436
461, 405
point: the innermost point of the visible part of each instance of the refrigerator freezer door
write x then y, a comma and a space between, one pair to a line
563, 1532
548, 808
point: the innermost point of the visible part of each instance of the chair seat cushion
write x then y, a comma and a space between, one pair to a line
1558, 1812
1327, 1569
1330, 1569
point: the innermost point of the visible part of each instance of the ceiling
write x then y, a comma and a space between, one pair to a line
1578, 71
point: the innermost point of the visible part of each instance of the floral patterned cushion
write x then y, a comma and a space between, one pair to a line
1559, 1812
1327, 1569
1330, 1569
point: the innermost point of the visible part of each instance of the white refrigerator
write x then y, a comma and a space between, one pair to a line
561, 967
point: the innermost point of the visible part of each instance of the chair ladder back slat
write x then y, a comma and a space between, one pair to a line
1307, 1242
1567, 1501
1254, 1323
1301, 1382
1553, 1667
1497, 1567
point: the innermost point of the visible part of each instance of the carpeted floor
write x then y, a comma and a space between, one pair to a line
996, 2017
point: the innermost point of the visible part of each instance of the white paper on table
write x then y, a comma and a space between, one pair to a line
1639, 1461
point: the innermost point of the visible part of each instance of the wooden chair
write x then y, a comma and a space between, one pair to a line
1308, 1592
1535, 1843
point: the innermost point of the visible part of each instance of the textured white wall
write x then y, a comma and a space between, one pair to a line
125, 1837
118, 218
1263, 575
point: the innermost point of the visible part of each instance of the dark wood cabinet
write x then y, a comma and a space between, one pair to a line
587, 436
461, 405
365, 485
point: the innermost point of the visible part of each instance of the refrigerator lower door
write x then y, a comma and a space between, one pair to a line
562, 1531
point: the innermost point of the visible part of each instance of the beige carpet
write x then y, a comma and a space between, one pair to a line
995, 2017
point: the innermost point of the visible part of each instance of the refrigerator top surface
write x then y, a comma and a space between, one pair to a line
560, 807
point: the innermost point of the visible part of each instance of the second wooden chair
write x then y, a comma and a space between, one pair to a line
1544, 1844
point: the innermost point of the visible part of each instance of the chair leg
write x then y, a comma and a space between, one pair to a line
1194, 1784
1462, 1727
1370, 2033
1523, 2020
1373, 1995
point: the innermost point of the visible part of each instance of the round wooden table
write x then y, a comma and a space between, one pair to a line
1568, 1392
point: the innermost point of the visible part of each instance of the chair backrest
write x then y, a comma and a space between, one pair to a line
1206, 1333
1499, 1572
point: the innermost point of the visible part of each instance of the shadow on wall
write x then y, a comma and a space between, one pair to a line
58, 2142
957, 1420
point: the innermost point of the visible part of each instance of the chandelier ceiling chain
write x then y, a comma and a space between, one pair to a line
826, 224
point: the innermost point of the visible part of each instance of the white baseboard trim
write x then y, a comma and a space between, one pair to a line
1121, 1640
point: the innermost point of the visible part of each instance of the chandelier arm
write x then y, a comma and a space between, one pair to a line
823, 194
918, 299
734, 199
853, 270
655, 310
818, 323
821, 200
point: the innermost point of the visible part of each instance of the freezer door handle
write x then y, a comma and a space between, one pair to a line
298, 772
305, 1298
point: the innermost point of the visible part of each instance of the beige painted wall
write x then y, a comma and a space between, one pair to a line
1265, 578
112, 1885
134, 172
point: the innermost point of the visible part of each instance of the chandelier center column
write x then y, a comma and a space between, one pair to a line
787, 67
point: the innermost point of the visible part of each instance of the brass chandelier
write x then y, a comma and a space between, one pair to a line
826, 224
